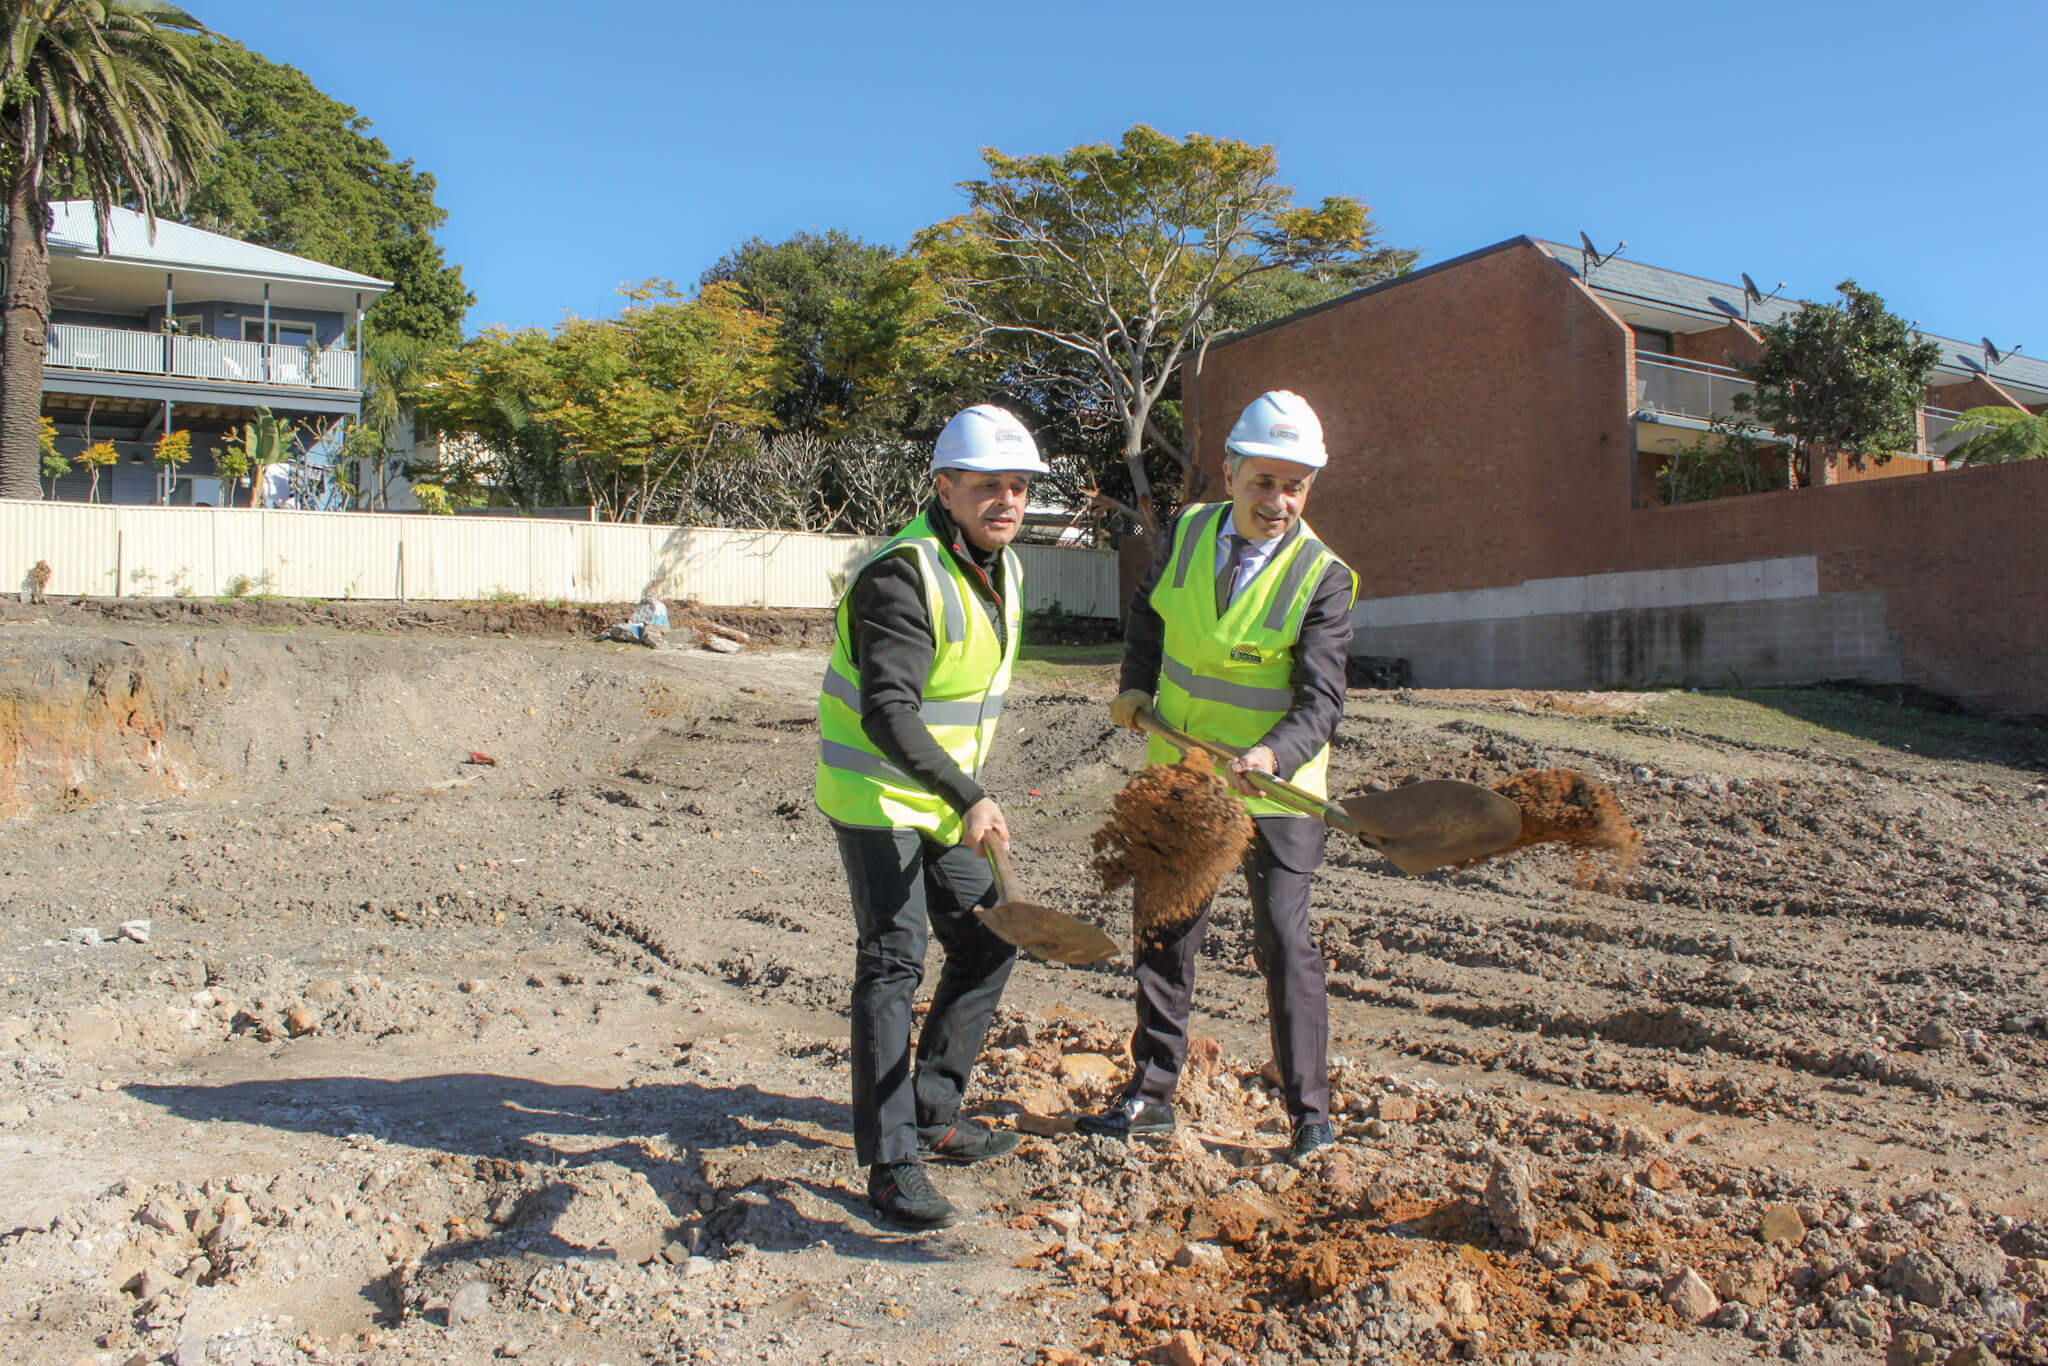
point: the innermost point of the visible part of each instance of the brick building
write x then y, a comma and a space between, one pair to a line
1496, 423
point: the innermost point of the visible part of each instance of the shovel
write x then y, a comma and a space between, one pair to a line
1050, 934
1420, 827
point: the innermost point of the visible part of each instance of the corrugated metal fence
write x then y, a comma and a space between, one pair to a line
108, 551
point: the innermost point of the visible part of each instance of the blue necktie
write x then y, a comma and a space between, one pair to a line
1234, 548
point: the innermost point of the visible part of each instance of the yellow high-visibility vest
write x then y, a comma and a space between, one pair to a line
963, 695
1227, 679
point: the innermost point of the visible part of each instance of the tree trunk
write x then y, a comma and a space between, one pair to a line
23, 335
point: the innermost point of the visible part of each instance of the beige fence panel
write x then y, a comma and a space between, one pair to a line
1082, 583
81, 545
203, 552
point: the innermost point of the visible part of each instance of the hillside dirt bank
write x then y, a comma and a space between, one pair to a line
423, 1057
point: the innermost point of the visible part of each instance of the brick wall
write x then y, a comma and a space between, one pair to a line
1478, 421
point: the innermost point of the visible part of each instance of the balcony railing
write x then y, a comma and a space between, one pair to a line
1671, 385
1687, 388
203, 358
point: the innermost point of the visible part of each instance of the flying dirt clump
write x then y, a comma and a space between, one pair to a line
1564, 806
1173, 832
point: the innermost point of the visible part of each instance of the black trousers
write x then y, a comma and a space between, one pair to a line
1285, 852
906, 889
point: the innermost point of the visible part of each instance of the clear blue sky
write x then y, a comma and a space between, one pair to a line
579, 147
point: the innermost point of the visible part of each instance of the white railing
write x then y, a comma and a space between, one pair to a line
143, 551
217, 359
1687, 388
1695, 389
1934, 431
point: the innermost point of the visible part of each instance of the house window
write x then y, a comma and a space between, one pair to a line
189, 324
1653, 341
281, 334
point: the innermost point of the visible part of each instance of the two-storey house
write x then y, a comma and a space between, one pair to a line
184, 329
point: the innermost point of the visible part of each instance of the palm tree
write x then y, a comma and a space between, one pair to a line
1999, 436
106, 94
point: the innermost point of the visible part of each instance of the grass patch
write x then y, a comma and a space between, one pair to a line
1847, 721
1070, 665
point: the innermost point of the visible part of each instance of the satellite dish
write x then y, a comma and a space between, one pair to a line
1756, 296
1991, 353
1592, 254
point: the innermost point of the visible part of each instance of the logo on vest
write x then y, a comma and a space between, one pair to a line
1246, 653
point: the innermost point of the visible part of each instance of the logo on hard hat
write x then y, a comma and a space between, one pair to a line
1012, 437
1283, 431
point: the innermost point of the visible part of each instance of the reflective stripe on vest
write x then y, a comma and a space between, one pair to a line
1229, 678
962, 697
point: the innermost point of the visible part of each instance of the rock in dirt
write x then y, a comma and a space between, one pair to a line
1911, 1349
150, 1282
1975, 1354
1935, 1035
468, 1304
1200, 1257
1782, 1224
1690, 1297
1922, 1278
135, 930
1087, 1069
1510, 1203
1978, 1267
1182, 1349
301, 1020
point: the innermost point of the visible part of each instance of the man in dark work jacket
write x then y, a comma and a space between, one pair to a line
1240, 631
928, 632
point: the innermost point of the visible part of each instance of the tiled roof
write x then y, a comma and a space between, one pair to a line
74, 231
1713, 298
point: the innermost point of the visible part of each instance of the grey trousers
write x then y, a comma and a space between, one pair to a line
907, 889
1285, 852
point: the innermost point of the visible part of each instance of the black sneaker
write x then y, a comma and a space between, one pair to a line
1309, 1137
964, 1141
1131, 1115
902, 1194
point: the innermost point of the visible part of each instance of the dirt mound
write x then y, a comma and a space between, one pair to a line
1174, 831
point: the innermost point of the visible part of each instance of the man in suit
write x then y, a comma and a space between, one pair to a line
1238, 634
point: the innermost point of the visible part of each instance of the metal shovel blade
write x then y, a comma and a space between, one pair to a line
1049, 934
1052, 935
1435, 823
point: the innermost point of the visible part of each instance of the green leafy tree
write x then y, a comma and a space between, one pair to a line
626, 408
2000, 436
98, 456
1840, 383
394, 364
54, 465
173, 450
301, 172
1103, 268
1733, 457
106, 95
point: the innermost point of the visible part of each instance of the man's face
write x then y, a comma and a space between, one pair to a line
1267, 495
988, 507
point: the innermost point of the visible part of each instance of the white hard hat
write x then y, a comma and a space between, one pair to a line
1281, 426
987, 438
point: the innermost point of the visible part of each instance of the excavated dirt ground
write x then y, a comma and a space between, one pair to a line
424, 1059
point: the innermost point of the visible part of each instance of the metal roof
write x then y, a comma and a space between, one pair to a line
1715, 299
178, 246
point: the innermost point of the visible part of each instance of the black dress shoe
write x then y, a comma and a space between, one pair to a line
1309, 1137
902, 1194
1130, 1115
964, 1141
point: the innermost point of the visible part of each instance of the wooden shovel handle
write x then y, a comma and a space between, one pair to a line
1280, 790
999, 868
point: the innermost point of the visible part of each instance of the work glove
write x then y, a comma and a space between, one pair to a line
1126, 705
